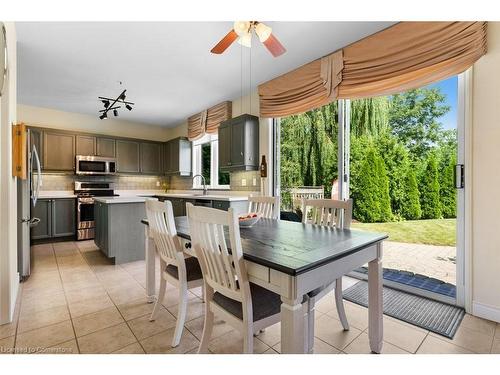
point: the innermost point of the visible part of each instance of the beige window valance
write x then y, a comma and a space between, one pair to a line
405, 56
208, 121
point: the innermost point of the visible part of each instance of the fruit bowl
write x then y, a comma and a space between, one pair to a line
248, 220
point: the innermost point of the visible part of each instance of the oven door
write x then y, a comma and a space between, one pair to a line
85, 218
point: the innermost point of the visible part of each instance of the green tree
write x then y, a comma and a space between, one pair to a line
447, 191
413, 118
411, 209
369, 116
429, 190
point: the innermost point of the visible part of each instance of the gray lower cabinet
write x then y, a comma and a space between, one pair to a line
85, 145
239, 144
150, 158
179, 205
105, 147
57, 218
58, 151
128, 156
117, 232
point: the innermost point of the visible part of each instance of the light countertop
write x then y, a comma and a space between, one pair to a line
54, 194
113, 200
208, 197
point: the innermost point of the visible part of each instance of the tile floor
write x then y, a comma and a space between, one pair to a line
76, 301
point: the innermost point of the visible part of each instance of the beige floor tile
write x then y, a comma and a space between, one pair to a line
8, 329
195, 326
270, 351
161, 343
357, 316
45, 337
126, 293
271, 335
31, 294
326, 304
143, 328
68, 347
172, 297
330, 331
195, 309
97, 321
403, 335
85, 246
89, 306
42, 302
478, 324
76, 295
433, 345
7, 345
134, 348
61, 252
38, 319
135, 309
69, 277
361, 345
232, 343
470, 339
107, 340
497, 331
319, 347
78, 285
495, 348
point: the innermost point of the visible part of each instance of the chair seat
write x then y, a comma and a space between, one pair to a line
264, 303
193, 269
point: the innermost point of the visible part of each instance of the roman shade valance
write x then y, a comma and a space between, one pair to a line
208, 121
402, 57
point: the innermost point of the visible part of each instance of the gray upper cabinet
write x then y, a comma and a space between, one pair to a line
127, 155
63, 217
150, 158
106, 147
59, 151
177, 157
239, 144
85, 145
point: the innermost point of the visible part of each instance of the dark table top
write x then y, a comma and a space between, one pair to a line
294, 248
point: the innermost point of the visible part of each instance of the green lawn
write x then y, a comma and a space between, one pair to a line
430, 232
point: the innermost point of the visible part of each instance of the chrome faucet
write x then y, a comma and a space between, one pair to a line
204, 183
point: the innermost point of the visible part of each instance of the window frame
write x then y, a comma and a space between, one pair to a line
213, 139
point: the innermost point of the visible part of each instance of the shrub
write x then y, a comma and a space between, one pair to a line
411, 209
383, 189
447, 192
429, 190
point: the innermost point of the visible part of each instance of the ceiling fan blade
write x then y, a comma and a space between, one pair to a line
274, 46
225, 42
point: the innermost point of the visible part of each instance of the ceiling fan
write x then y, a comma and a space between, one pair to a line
242, 31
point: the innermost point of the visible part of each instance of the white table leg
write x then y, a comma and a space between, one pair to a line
375, 303
150, 266
293, 337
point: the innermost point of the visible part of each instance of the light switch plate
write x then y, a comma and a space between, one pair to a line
158, 183
254, 181
243, 182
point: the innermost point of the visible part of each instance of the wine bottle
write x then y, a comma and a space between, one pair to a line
263, 167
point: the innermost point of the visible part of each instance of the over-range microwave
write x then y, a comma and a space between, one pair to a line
95, 165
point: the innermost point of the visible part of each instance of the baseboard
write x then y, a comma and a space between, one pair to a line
486, 311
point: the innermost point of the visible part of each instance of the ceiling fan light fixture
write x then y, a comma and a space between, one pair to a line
104, 116
241, 27
263, 31
245, 40
128, 106
106, 103
115, 112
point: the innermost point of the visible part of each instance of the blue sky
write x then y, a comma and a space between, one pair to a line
449, 87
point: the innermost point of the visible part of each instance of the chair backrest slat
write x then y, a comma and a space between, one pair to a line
267, 207
327, 212
215, 237
162, 229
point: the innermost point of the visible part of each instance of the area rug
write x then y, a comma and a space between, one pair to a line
437, 317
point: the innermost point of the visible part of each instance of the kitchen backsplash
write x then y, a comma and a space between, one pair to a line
66, 182
239, 181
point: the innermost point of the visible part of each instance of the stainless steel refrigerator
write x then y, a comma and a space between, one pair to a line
28, 191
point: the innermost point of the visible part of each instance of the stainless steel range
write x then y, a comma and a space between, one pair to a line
85, 191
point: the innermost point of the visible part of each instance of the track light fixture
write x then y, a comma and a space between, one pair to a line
111, 105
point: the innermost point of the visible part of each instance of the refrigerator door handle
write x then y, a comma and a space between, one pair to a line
34, 156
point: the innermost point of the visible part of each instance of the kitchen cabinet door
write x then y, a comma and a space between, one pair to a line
43, 211
36, 139
85, 145
63, 217
150, 158
224, 146
58, 151
105, 147
237, 144
127, 155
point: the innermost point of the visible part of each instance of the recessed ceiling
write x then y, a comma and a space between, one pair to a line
166, 67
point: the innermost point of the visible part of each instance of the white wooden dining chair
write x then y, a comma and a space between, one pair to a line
215, 237
335, 214
183, 273
268, 207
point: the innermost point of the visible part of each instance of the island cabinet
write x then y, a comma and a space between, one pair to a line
239, 144
127, 156
58, 151
177, 157
116, 231
57, 218
150, 158
179, 204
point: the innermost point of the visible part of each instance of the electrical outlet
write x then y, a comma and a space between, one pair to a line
243, 182
254, 182
157, 183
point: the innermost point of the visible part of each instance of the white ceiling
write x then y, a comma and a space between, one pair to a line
166, 67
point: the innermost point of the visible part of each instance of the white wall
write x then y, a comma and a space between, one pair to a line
486, 180
52, 118
9, 279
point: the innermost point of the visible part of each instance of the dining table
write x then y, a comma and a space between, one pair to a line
293, 259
